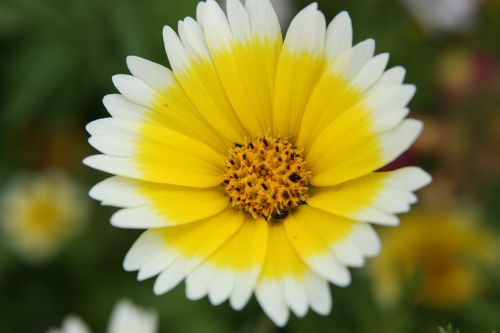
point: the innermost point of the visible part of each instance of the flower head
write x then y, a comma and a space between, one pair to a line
441, 252
40, 213
252, 163
126, 318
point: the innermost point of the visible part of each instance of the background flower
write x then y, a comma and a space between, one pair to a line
40, 213
71, 324
435, 258
126, 318
445, 15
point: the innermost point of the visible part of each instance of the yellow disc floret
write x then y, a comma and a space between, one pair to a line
266, 177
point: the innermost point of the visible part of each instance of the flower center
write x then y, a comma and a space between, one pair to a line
266, 177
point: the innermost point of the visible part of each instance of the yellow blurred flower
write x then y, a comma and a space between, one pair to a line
441, 252
40, 213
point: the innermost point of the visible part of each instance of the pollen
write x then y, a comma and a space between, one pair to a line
266, 177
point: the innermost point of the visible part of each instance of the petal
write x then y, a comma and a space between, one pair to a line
156, 76
301, 60
153, 153
193, 243
349, 63
118, 191
263, 19
295, 295
270, 296
371, 72
348, 148
156, 263
365, 238
280, 282
245, 62
391, 77
372, 198
192, 38
199, 79
232, 271
315, 248
134, 89
178, 250
348, 253
238, 20
281, 259
147, 246
155, 96
387, 105
349, 240
157, 205
221, 286
318, 294
120, 107
338, 35
335, 92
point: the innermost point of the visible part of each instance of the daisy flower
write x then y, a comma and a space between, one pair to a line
442, 251
252, 163
126, 318
40, 213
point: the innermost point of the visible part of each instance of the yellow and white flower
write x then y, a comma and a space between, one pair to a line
126, 318
40, 213
442, 252
252, 163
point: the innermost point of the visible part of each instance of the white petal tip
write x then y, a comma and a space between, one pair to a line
346, 281
117, 78
88, 161
343, 17
94, 192
158, 292
131, 58
312, 6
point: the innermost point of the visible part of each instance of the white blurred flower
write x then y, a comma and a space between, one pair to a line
40, 213
126, 318
445, 15
71, 324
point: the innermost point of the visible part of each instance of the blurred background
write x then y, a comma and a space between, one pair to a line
59, 255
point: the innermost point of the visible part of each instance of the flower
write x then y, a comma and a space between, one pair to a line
440, 251
40, 213
445, 15
252, 163
71, 324
126, 318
